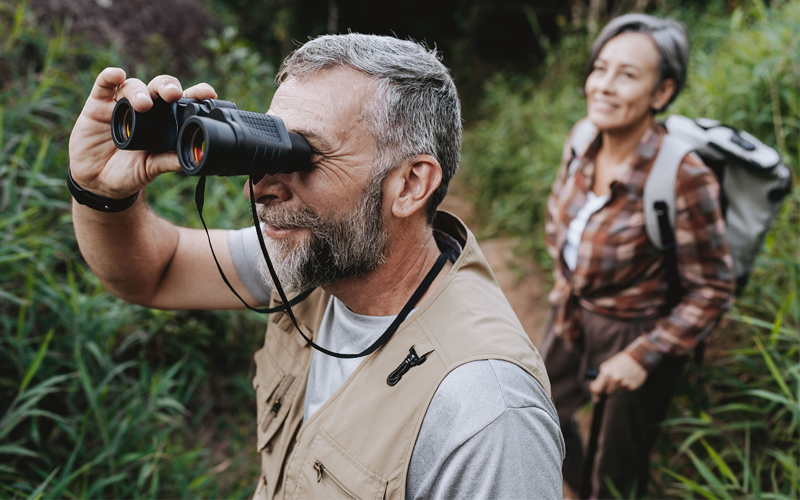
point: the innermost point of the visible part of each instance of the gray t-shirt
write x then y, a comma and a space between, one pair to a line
490, 430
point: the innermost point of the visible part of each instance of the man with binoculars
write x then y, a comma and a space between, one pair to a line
397, 369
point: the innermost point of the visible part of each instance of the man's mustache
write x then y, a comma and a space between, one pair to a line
281, 217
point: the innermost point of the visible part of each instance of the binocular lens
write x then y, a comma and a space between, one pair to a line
198, 145
126, 121
122, 122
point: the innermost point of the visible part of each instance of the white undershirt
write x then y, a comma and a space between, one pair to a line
577, 226
343, 331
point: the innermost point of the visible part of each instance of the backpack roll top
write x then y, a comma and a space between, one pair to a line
754, 183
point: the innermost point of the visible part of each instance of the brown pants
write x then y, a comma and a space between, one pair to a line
630, 422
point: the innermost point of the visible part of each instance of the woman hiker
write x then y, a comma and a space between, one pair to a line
609, 300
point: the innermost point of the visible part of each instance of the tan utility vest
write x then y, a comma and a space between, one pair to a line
359, 443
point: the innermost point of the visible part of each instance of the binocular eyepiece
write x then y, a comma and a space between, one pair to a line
211, 137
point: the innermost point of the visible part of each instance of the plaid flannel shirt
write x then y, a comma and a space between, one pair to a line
619, 273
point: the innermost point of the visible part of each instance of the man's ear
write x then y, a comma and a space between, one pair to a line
663, 94
409, 186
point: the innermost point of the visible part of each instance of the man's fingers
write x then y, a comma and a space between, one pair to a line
106, 83
165, 87
136, 92
162, 163
201, 91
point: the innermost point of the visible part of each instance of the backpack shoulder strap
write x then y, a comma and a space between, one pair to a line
660, 185
581, 137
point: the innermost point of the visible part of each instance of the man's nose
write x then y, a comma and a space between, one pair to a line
268, 186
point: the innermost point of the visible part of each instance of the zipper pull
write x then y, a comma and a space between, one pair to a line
277, 402
319, 468
411, 361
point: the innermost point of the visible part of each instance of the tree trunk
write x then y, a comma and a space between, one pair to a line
596, 12
333, 17
578, 12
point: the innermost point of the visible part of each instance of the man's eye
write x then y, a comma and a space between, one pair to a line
316, 158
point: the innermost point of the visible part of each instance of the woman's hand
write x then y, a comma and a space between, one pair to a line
96, 163
620, 371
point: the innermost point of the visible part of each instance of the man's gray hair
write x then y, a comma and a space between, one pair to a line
415, 109
669, 36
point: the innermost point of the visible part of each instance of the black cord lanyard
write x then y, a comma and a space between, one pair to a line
199, 196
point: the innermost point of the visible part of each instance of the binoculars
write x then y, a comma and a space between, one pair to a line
211, 137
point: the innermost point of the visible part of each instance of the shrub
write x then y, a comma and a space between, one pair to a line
99, 398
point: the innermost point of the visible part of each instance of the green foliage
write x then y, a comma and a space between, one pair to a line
510, 157
99, 398
734, 430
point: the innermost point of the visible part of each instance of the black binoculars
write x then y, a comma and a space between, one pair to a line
211, 137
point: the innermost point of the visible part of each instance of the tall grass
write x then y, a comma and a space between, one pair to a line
99, 398
734, 430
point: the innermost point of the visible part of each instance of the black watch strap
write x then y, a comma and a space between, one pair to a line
100, 203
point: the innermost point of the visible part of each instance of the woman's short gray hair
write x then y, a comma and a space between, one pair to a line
669, 36
415, 110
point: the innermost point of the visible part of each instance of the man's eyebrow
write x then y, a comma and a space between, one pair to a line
319, 142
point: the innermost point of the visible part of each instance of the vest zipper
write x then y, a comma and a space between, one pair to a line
277, 402
323, 472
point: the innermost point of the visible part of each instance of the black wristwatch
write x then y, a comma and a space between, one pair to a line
100, 203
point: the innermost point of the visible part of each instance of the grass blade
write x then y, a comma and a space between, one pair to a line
37, 361
39, 491
776, 374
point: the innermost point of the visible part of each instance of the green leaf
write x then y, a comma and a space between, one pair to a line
37, 361
691, 484
10, 449
721, 465
710, 478
776, 374
39, 491
769, 395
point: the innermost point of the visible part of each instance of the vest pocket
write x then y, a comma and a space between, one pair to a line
274, 402
330, 472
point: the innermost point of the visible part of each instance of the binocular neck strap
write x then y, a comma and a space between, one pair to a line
199, 197
199, 200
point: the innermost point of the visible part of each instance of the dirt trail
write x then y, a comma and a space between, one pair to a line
522, 282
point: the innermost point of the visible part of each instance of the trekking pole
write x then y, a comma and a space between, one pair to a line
594, 435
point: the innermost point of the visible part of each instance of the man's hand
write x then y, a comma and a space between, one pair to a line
620, 371
140, 257
96, 163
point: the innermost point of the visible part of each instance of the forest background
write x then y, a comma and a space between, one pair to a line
99, 398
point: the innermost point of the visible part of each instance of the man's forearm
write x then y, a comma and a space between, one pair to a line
129, 251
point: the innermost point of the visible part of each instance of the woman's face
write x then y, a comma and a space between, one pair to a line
621, 89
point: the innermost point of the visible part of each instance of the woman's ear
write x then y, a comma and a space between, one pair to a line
409, 186
663, 94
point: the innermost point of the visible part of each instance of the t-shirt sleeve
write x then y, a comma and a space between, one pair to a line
246, 254
490, 431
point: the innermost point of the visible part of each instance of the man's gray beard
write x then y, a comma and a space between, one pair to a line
348, 246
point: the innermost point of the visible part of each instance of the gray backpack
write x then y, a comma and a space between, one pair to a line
753, 179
